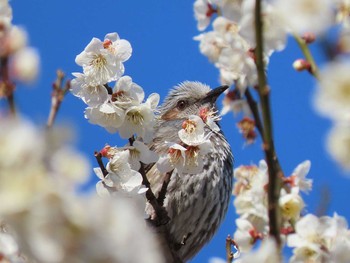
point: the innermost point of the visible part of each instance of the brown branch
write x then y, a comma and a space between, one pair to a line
162, 217
163, 190
255, 111
98, 157
59, 91
274, 169
7, 86
230, 256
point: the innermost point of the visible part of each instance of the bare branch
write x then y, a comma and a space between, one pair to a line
58, 93
162, 217
7, 87
98, 157
163, 190
274, 170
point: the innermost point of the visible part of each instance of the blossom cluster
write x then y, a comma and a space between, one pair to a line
43, 216
231, 43
22, 61
118, 109
187, 156
332, 99
250, 191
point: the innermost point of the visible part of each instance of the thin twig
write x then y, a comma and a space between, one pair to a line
271, 160
163, 190
98, 157
162, 217
308, 56
58, 93
255, 111
8, 86
229, 253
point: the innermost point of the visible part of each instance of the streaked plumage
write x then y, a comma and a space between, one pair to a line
196, 203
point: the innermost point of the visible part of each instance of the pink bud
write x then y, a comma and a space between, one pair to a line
301, 64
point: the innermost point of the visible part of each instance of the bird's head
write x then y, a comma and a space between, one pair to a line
188, 98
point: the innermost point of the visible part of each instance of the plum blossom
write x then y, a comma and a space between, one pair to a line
291, 204
332, 97
317, 239
139, 152
25, 65
120, 48
106, 115
298, 178
126, 93
338, 144
120, 178
266, 253
5, 14
92, 95
103, 61
174, 159
275, 34
245, 235
140, 119
233, 102
210, 118
203, 11
304, 14
192, 132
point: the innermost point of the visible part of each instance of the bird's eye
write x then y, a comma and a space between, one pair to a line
181, 104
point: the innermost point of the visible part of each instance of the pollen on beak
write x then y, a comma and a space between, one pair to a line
214, 94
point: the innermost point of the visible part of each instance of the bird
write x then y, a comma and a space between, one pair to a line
195, 203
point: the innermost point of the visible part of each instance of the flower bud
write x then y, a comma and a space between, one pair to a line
301, 64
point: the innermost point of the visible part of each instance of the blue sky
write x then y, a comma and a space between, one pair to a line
164, 54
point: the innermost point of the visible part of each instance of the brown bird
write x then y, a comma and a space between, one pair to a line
195, 203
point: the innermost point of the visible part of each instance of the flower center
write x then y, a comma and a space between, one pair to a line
99, 61
189, 126
135, 117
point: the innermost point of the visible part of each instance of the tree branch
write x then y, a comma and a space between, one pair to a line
255, 111
7, 86
98, 157
163, 190
308, 56
59, 91
274, 169
162, 217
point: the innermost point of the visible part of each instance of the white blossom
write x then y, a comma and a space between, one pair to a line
120, 175
332, 97
139, 152
174, 159
25, 64
338, 144
275, 34
5, 14
230, 9
192, 132
300, 15
243, 235
92, 95
126, 93
203, 11
316, 239
291, 204
266, 253
140, 119
103, 61
298, 178
106, 115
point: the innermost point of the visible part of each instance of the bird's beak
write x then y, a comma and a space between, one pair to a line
214, 94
